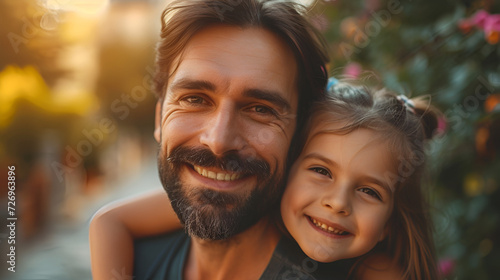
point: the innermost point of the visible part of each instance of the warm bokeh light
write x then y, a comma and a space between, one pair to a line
26, 84
86, 7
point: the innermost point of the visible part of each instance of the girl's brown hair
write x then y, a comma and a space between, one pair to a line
405, 124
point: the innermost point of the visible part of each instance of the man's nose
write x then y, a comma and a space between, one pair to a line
337, 200
223, 131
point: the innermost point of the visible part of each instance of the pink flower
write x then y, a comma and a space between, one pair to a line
492, 23
446, 267
483, 20
479, 18
352, 70
442, 125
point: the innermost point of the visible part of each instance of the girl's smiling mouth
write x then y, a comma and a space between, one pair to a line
330, 229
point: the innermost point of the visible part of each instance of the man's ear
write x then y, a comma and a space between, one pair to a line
157, 132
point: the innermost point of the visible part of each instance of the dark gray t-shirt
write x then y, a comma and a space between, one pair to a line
163, 257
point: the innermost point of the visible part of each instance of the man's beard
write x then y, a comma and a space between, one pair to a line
210, 214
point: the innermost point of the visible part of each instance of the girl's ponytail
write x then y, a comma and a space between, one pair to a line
428, 115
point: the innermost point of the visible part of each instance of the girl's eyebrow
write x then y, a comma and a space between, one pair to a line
380, 183
322, 158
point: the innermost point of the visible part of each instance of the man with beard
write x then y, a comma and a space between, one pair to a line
235, 80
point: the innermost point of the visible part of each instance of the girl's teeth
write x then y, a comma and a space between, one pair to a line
216, 176
326, 228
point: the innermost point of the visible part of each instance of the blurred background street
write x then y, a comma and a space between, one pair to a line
62, 251
77, 115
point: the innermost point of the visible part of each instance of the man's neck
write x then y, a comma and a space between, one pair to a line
244, 256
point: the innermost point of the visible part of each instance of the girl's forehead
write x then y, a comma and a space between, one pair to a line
319, 124
352, 136
326, 124
348, 136
340, 128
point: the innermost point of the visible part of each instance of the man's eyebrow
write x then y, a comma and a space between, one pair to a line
186, 83
271, 96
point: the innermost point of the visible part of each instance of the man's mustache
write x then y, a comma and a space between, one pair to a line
231, 162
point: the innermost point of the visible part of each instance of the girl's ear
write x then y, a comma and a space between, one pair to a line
157, 132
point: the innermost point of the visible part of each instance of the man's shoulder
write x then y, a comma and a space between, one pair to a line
289, 262
163, 257
156, 256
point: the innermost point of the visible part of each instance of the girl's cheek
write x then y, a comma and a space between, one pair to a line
292, 196
302, 190
295, 184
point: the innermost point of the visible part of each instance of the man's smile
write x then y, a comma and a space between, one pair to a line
219, 179
217, 175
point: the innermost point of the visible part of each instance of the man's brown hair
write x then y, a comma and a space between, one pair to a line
183, 18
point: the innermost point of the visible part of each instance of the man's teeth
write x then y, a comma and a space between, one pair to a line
327, 228
219, 176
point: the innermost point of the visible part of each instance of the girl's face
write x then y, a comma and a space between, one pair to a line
339, 195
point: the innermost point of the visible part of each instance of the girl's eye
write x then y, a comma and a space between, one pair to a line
370, 192
322, 171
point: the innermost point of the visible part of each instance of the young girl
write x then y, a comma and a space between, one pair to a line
353, 192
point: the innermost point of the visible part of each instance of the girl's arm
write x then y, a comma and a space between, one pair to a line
115, 226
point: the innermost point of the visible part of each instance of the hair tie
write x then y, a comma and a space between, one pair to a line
331, 82
408, 103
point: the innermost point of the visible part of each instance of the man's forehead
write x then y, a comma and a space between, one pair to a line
233, 56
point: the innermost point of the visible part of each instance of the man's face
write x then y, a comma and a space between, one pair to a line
225, 128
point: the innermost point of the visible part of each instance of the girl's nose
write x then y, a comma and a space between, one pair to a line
337, 200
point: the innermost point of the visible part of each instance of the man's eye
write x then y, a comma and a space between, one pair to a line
370, 192
322, 171
263, 110
193, 99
